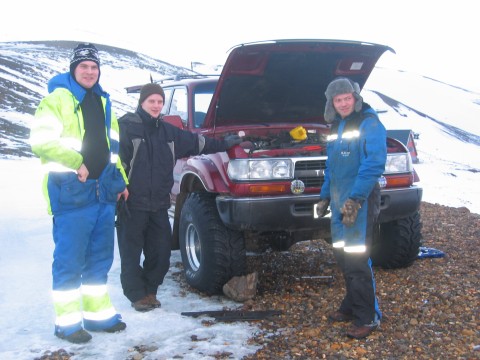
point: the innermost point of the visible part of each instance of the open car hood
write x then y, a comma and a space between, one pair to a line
284, 81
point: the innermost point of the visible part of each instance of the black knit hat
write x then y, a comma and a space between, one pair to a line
83, 52
150, 89
341, 85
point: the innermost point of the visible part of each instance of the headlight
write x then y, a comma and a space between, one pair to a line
398, 163
249, 169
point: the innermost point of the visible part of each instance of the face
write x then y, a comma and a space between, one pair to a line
153, 105
344, 104
87, 73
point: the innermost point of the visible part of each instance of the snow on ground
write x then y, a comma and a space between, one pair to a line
25, 297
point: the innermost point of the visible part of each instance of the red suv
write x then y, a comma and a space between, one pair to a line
265, 188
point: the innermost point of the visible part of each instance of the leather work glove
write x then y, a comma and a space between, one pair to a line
232, 140
322, 206
350, 212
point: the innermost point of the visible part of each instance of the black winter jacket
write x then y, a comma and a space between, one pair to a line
149, 148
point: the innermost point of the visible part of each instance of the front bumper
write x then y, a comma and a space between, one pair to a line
294, 213
280, 213
399, 203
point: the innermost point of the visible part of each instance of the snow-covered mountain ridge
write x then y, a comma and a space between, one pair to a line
445, 116
26, 68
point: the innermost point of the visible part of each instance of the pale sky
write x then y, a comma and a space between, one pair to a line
433, 38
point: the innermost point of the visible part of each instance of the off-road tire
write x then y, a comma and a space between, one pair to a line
396, 243
211, 253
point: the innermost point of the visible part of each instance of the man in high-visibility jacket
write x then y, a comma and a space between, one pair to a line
357, 153
75, 135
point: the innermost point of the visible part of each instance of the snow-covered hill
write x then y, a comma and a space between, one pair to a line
445, 116
26, 67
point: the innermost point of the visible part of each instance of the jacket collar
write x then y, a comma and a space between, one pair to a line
66, 81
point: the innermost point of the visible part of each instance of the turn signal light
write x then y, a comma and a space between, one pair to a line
399, 181
266, 189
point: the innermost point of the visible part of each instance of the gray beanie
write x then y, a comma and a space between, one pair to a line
339, 86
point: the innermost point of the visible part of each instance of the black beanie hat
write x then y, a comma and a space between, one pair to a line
150, 89
83, 52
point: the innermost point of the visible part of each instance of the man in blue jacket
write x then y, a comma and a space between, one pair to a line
75, 134
357, 153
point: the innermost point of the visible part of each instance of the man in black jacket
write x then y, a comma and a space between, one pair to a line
149, 148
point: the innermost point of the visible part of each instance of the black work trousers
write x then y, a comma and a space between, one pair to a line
360, 300
148, 232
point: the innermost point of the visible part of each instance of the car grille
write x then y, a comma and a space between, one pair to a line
310, 172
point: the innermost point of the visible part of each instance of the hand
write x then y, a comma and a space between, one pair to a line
322, 206
350, 212
123, 194
232, 140
82, 173
122, 208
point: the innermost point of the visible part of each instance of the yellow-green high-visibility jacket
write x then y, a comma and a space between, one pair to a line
57, 130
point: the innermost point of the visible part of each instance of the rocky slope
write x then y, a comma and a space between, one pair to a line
431, 309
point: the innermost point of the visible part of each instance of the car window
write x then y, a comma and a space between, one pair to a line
179, 105
168, 98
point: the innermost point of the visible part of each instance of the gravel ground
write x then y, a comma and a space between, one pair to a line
430, 309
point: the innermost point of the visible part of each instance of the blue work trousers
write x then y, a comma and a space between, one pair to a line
84, 246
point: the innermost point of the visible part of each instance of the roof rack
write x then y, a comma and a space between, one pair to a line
137, 88
188, 76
